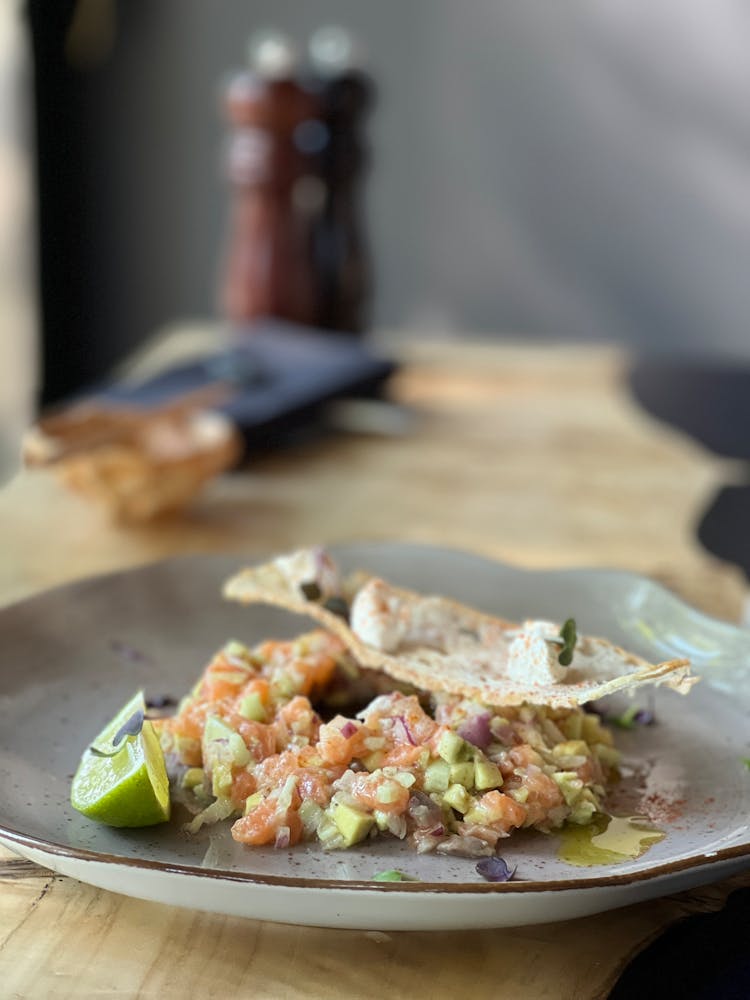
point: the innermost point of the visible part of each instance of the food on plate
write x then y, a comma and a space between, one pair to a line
408, 716
437, 644
122, 779
448, 773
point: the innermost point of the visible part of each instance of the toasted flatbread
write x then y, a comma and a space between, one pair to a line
438, 644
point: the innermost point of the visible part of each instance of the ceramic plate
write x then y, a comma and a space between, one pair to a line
73, 656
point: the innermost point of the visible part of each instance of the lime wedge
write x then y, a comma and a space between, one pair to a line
129, 788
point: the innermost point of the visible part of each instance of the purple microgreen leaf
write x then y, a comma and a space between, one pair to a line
310, 590
495, 869
632, 716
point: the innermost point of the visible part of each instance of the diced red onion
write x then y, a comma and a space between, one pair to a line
348, 729
495, 869
407, 731
476, 730
438, 831
283, 836
464, 847
424, 811
396, 825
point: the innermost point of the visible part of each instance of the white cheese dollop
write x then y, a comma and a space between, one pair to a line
532, 659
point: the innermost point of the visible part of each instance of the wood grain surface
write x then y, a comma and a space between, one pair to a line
530, 454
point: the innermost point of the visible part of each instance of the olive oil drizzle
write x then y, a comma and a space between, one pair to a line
607, 840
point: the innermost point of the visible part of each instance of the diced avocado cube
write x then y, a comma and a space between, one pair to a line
192, 777
569, 784
437, 776
487, 775
283, 688
352, 824
572, 748
329, 834
252, 801
582, 812
251, 707
311, 814
457, 798
592, 730
606, 754
573, 726
405, 778
389, 792
223, 749
452, 748
221, 740
187, 748
476, 814
462, 774
236, 649
221, 779
381, 819
373, 760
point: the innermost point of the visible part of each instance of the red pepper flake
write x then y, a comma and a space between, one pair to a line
661, 808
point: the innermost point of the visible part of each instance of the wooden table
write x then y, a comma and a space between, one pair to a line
530, 454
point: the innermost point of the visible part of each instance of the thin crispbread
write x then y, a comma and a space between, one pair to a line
469, 671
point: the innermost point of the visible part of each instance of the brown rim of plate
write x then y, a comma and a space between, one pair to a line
466, 888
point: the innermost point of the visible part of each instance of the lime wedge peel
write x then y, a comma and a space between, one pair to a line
129, 788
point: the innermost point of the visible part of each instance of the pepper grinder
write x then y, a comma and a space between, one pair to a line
295, 247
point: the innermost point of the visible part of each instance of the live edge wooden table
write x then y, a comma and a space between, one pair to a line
533, 455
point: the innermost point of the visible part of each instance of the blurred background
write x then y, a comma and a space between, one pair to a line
576, 171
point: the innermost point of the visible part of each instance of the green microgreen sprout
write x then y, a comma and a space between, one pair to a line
311, 590
566, 641
393, 875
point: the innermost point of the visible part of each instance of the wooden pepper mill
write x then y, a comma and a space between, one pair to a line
296, 249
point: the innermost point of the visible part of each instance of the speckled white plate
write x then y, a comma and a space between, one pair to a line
72, 656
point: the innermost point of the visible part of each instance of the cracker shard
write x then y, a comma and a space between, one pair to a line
438, 644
